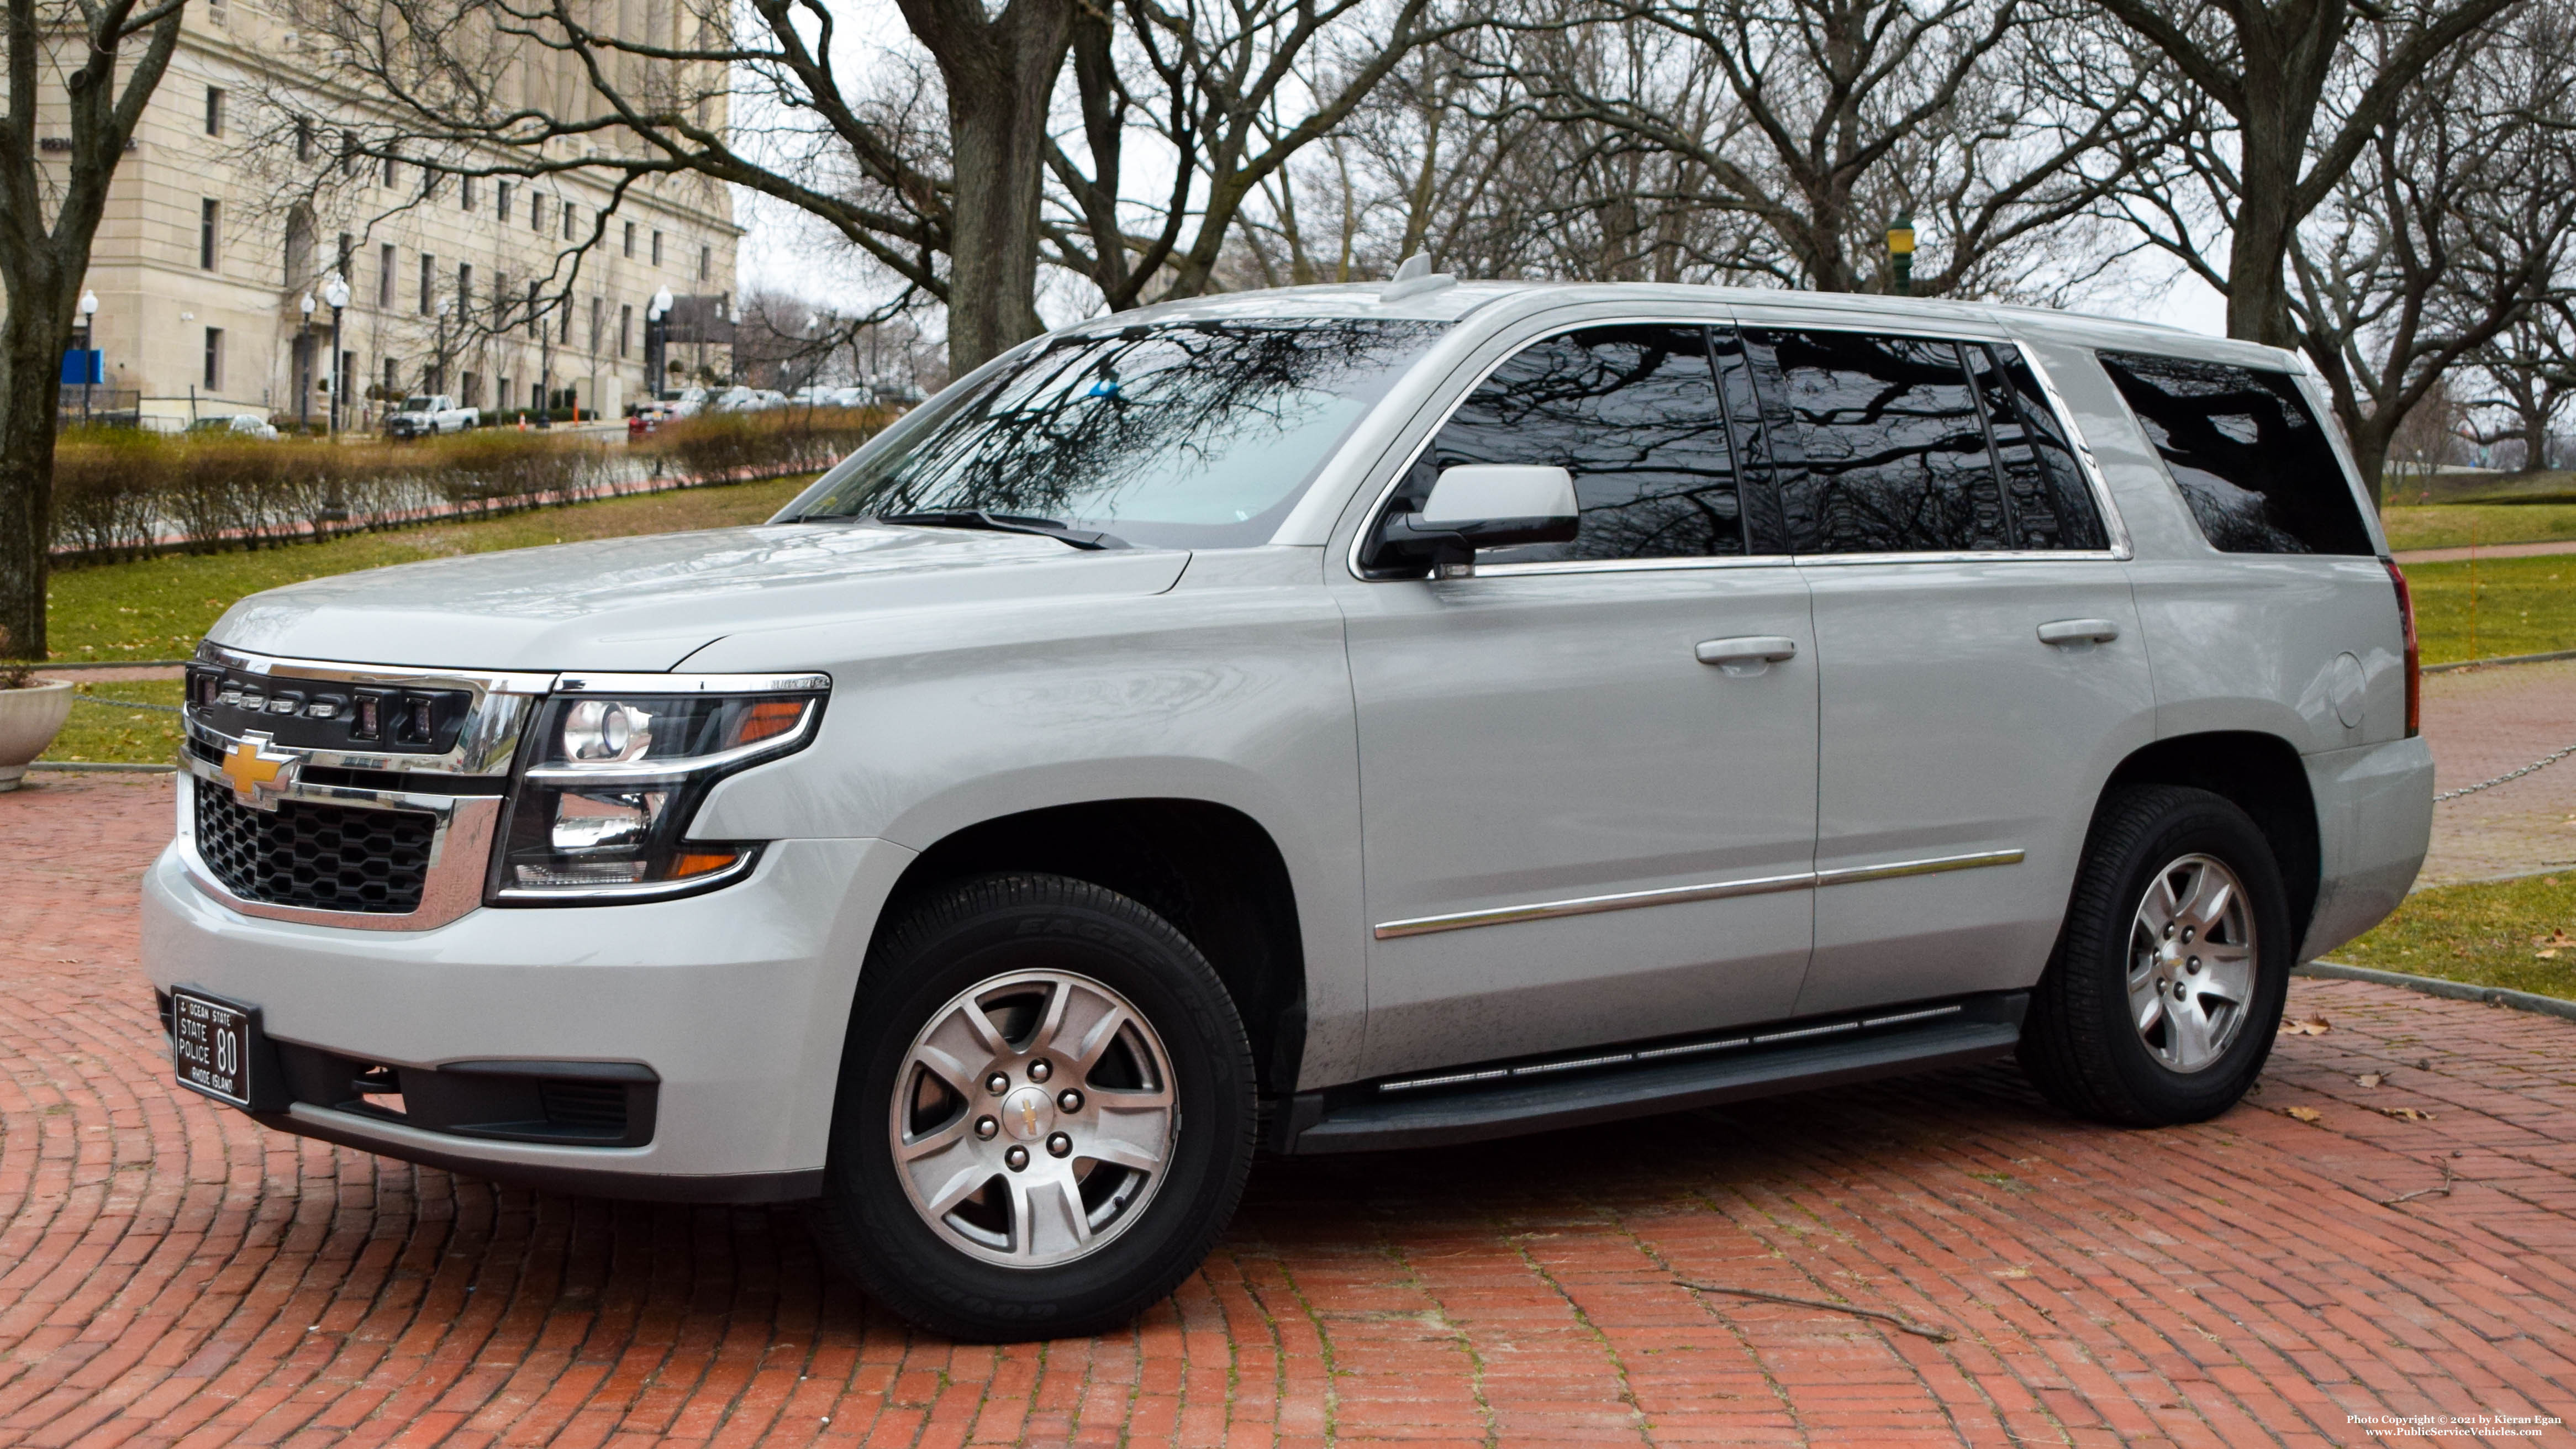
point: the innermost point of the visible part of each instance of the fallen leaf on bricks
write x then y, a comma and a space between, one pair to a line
2313, 1026
2408, 1114
2304, 1114
2370, 1079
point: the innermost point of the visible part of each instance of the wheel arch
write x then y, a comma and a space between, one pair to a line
2262, 775
1210, 869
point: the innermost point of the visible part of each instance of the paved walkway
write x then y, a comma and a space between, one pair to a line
2483, 550
169, 1272
2483, 723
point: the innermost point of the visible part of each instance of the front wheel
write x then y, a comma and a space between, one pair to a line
2166, 989
1045, 1116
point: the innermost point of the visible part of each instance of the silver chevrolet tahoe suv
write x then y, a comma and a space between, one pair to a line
1321, 720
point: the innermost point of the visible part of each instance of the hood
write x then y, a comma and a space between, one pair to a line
645, 604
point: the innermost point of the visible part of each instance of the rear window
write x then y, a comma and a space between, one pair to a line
2252, 461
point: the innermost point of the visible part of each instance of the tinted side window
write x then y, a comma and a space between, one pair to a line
2045, 489
1896, 458
1632, 413
2252, 462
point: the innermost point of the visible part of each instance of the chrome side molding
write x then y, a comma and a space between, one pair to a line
1675, 895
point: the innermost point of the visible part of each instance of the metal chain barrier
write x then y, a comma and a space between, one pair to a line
129, 703
2542, 763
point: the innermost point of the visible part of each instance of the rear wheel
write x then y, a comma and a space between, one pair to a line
1045, 1116
2161, 1002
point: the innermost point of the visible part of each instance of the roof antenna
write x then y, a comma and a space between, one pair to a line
1413, 277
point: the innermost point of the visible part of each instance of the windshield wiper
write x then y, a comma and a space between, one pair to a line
1000, 523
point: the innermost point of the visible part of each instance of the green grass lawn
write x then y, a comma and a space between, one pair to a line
2555, 486
160, 608
2517, 934
2522, 606
2456, 525
100, 729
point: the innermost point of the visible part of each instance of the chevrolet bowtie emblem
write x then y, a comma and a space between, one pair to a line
257, 774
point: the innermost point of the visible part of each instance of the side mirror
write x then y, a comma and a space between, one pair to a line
1480, 505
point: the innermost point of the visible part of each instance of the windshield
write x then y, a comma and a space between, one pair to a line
415, 405
1185, 435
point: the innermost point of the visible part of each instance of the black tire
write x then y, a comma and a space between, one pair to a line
2079, 1045
978, 931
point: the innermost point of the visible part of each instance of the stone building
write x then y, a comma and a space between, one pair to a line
215, 232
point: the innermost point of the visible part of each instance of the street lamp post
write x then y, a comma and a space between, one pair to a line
88, 315
335, 295
1900, 249
304, 384
657, 340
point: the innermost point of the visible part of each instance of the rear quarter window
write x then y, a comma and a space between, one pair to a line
2253, 463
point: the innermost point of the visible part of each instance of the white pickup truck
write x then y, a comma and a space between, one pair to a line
430, 413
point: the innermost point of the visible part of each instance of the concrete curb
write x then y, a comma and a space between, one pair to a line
2435, 986
51, 666
84, 767
2500, 659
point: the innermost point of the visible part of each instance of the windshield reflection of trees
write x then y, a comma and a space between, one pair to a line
1089, 418
1896, 451
1633, 414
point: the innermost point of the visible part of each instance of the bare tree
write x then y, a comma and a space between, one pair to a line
49, 214
753, 96
2448, 228
1825, 120
2529, 372
2268, 67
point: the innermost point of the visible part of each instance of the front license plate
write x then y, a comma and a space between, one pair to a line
210, 1041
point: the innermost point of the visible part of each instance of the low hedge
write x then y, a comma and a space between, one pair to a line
124, 493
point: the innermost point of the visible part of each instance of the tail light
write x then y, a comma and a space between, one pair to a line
2414, 651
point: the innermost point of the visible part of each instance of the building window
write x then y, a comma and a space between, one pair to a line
595, 314
537, 395
345, 256
501, 202
706, 263
303, 139
469, 391
385, 278
214, 111
210, 216
657, 249
389, 171
393, 377
625, 327
563, 334
501, 391
536, 321
214, 359
465, 193
536, 211
464, 290
428, 283
630, 241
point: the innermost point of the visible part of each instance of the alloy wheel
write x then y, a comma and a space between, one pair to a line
1033, 1118
2191, 963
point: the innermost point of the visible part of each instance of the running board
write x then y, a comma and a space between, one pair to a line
1478, 1103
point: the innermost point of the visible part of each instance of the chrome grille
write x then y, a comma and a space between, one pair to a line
319, 857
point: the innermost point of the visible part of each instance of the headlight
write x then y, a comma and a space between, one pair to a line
612, 775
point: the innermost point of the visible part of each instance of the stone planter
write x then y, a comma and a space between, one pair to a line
29, 720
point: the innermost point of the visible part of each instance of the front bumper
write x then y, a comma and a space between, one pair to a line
736, 1000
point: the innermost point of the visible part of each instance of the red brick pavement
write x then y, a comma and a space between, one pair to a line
169, 1272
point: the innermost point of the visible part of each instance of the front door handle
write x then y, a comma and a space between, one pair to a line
2063, 632
1749, 655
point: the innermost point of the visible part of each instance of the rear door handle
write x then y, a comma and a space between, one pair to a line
2078, 631
1751, 654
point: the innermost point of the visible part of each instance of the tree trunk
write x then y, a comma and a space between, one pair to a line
2370, 455
2258, 272
999, 75
2535, 440
31, 343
